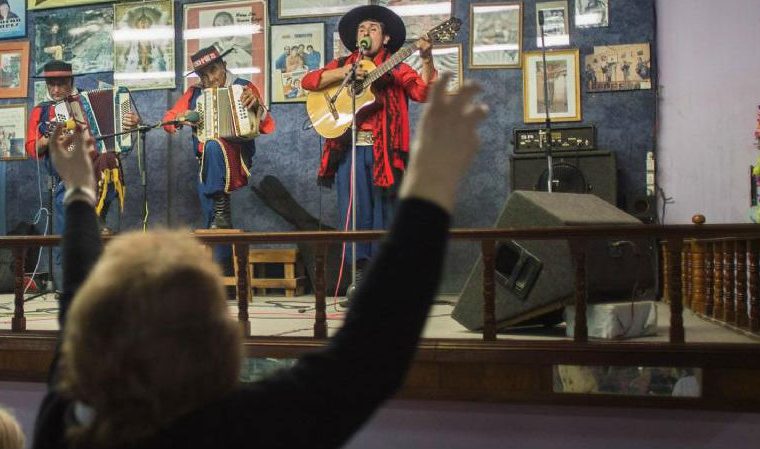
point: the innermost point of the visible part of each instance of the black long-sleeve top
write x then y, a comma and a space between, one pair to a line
324, 398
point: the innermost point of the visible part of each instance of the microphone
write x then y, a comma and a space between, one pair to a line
190, 116
365, 43
541, 18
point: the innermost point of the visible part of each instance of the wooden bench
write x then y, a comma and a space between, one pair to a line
292, 280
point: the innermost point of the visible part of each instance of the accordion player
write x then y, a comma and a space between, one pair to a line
223, 115
102, 112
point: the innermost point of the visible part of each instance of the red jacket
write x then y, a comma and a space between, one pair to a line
389, 122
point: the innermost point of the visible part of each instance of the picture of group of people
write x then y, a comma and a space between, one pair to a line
302, 51
618, 67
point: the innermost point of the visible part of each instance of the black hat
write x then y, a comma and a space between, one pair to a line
206, 56
393, 26
55, 69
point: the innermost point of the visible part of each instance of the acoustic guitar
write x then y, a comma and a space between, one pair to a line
329, 108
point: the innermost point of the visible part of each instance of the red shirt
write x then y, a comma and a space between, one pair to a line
389, 122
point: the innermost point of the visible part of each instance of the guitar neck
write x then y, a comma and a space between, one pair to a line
389, 63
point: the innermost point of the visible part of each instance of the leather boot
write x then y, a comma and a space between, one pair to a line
222, 212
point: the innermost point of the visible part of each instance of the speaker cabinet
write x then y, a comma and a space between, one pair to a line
644, 208
537, 277
574, 172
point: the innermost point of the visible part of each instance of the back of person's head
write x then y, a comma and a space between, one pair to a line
148, 337
11, 435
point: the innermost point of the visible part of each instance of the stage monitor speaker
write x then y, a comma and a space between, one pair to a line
537, 277
574, 172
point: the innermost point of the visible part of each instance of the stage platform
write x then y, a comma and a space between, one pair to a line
274, 316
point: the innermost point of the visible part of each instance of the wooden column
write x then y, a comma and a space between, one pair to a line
320, 305
718, 280
742, 318
676, 308
665, 270
488, 249
698, 276
729, 307
709, 276
754, 313
18, 322
243, 289
578, 249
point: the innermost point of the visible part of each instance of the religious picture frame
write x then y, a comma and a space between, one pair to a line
32, 5
613, 68
592, 13
12, 19
446, 58
419, 16
14, 69
81, 37
563, 86
295, 9
13, 132
295, 50
556, 24
143, 45
239, 26
495, 35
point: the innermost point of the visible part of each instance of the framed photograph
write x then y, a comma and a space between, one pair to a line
556, 26
495, 35
447, 58
563, 86
143, 45
81, 37
12, 132
592, 13
419, 16
290, 9
12, 19
44, 4
14, 69
296, 50
240, 26
618, 67
339, 50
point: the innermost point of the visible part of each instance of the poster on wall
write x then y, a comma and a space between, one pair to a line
296, 50
12, 132
447, 58
618, 67
14, 69
339, 50
82, 38
495, 35
419, 16
591, 13
289, 9
12, 19
143, 45
555, 23
563, 88
240, 26
44, 4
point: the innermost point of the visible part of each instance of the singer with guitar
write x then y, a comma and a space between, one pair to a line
382, 150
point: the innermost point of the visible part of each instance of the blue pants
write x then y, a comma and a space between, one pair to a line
212, 181
374, 205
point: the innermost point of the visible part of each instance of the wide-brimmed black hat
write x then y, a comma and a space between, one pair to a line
392, 23
55, 69
206, 56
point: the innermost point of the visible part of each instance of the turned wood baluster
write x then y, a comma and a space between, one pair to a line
686, 275
320, 318
18, 322
718, 280
243, 289
676, 307
698, 276
709, 301
741, 319
729, 307
488, 249
754, 298
665, 264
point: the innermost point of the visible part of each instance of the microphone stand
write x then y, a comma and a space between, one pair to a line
545, 143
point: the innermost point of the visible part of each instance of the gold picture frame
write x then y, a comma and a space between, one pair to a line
563, 87
14, 69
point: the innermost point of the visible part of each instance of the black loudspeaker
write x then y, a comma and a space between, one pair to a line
574, 172
644, 208
535, 278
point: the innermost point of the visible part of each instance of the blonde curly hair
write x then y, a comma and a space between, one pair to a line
11, 435
148, 338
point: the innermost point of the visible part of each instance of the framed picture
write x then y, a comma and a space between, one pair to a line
562, 84
296, 50
143, 45
44, 4
339, 50
290, 9
14, 72
556, 24
495, 35
83, 38
240, 26
12, 19
447, 58
12, 132
591, 13
618, 67
419, 16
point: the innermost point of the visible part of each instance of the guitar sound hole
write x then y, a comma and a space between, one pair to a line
357, 88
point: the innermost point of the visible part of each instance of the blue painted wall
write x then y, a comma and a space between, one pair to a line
625, 125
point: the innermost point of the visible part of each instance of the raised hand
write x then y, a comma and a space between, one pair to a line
446, 141
70, 151
248, 99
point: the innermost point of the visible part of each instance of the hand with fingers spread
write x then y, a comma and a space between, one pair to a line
71, 157
446, 141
